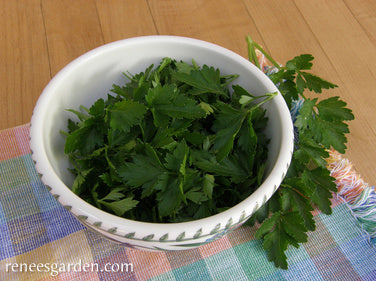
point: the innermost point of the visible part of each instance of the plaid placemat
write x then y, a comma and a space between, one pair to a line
40, 240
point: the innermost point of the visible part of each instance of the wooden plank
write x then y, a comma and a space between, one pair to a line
225, 23
123, 19
24, 68
365, 14
72, 28
353, 56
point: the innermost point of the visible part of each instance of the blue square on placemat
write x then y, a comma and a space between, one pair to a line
341, 224
300, 265
6, 247
358, 250
60, 223
370, 276
46, 201
304, 270
27, 233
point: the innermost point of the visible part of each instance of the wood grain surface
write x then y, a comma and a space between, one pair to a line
39, 37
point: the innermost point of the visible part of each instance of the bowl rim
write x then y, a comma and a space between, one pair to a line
81, 207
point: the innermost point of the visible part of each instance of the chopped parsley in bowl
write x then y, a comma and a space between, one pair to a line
174, 161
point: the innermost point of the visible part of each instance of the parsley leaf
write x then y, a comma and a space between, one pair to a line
126, 114
333, 109
320, 125
85, 139
120, 207
205, 80
277, 232
313, 82
310, 150
323, 184
295, 196
324, 121
166, 103
170, 198
208, 185
143, 169
227, 167
301, 62
224, 140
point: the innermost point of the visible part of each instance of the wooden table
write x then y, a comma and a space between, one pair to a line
39, 37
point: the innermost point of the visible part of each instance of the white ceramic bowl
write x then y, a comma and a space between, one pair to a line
90, 77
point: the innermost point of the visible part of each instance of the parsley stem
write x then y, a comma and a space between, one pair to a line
267, 96
267, 56
253, 45
108, 159
251, 52
229, 78
195, 65
64, 133
84, 108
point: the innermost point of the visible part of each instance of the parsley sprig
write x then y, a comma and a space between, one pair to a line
321, 125
173, 144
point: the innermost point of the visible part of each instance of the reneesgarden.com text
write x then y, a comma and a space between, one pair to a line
55, 268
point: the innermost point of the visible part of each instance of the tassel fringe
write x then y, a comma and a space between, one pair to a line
358, 195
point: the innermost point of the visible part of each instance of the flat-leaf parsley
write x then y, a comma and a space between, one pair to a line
173, 144
320, 125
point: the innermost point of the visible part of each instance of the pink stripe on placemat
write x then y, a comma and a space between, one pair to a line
14, 142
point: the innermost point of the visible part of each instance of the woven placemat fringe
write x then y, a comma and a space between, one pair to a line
358, 195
